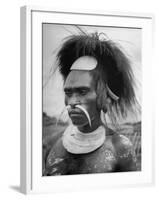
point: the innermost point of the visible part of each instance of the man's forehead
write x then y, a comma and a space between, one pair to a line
79, 78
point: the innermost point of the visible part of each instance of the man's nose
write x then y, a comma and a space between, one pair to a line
74, 100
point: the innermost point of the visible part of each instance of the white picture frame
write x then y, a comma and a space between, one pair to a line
31, 100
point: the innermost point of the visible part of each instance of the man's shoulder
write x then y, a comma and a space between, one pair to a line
58, 146
119, 141
55, 156
124, 151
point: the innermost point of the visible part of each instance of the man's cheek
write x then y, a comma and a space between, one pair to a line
91, 101
90, 98
88, 108
92, 106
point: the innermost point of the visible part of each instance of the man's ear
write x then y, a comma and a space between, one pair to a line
103, 100
103, 103
106, 104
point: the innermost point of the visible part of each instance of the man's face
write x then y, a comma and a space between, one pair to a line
80, 90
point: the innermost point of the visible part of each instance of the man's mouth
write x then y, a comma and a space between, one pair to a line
74, 112
79, 111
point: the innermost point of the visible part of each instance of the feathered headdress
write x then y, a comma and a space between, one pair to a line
114, 67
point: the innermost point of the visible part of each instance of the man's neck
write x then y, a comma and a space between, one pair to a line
87, 129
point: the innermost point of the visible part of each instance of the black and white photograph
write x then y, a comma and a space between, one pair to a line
91, 99
79, 100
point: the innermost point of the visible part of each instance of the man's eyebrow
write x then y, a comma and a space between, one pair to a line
67, 88
76, 88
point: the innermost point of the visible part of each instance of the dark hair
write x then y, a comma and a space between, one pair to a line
113, 69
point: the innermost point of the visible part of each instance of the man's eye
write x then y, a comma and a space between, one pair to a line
83, 92
69, 94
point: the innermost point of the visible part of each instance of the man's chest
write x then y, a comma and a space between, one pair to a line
63, 163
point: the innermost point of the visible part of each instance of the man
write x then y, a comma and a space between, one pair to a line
98, 80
